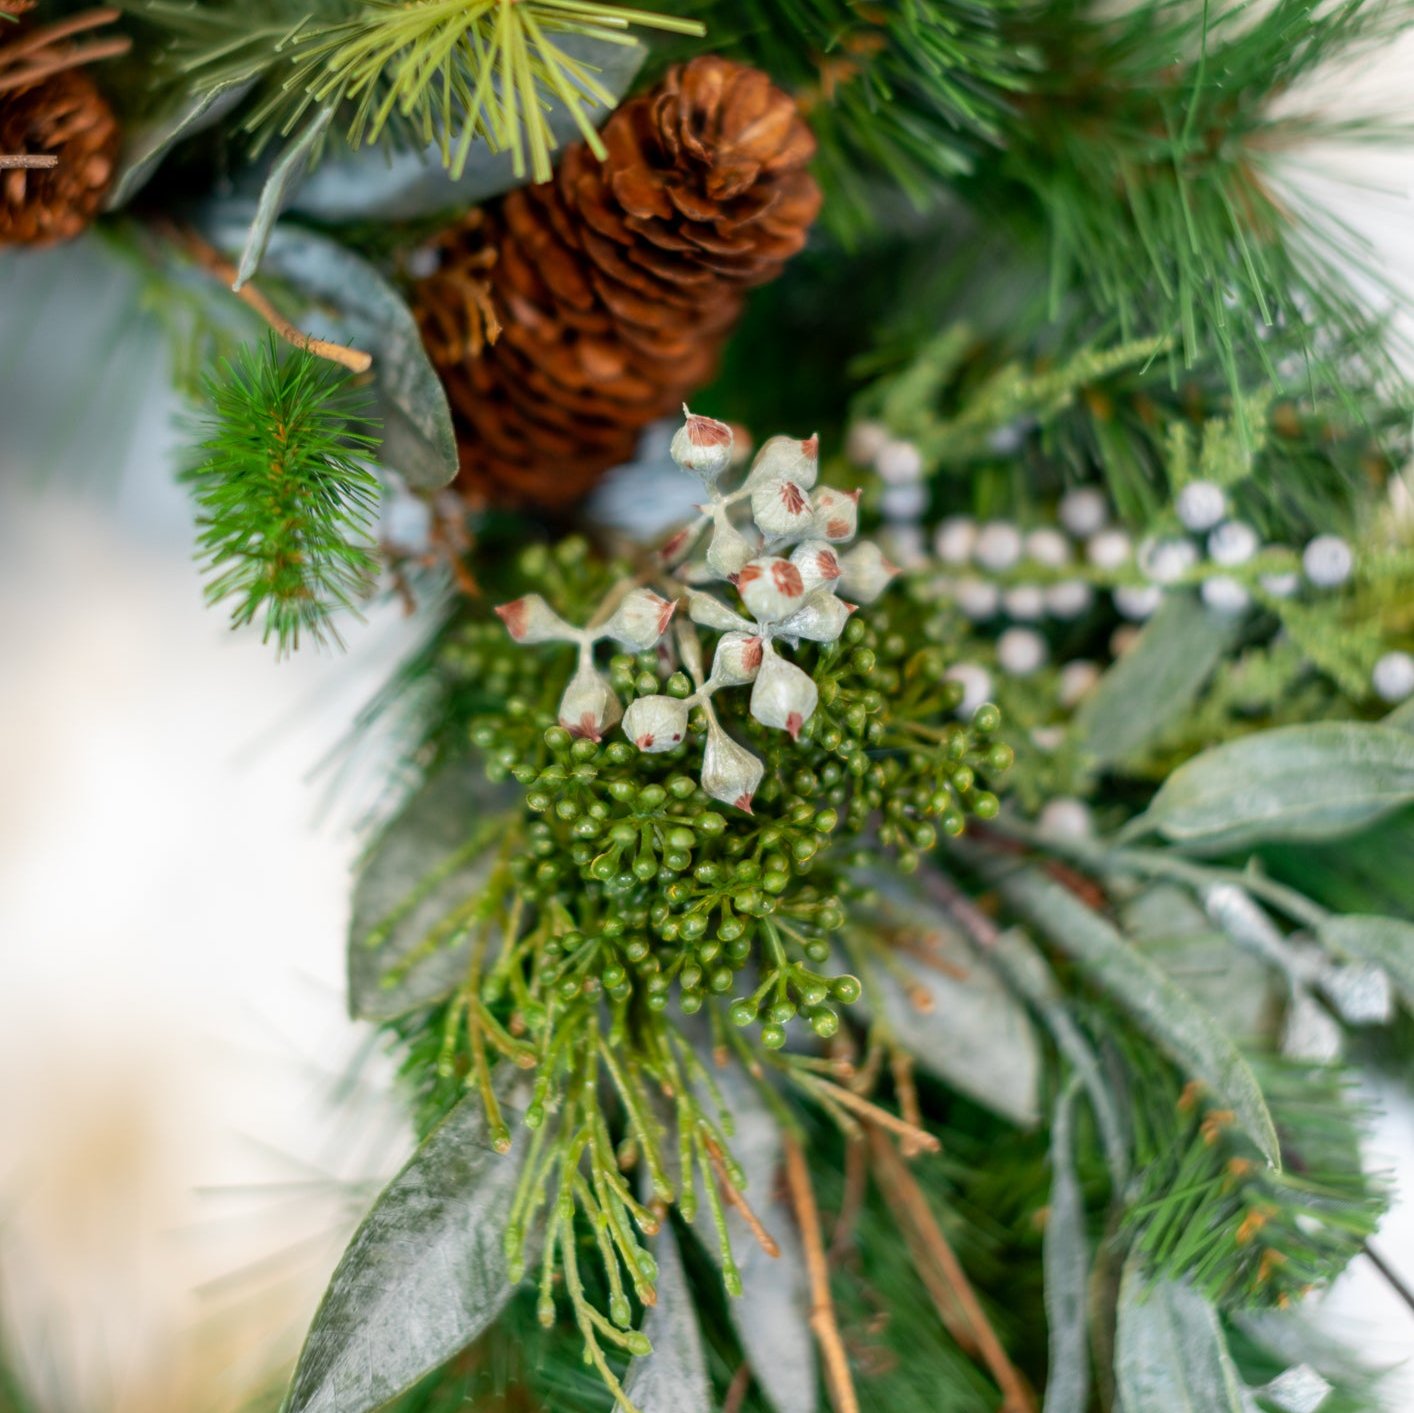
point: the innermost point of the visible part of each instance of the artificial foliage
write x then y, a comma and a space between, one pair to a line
888, 880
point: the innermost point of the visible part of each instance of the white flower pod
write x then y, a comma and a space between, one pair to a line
1024, 602
1138, 601
977, 599
589, 707
1083, 510
1201, 505
836, 514
1327, 561
1393, 677
728, 548
819, 565
702, 445
976, 686
1281, 586
532, 620
1233, 542
1166, 560
1067, 818
1021, 651
730, 773
782, 509
640, 620
1108, 549
904, 503
771, 588
784, 696
656, 723
955, 538
786, 459
737, 659
1049, 547
905, 544
899, 463
821, 618
1224, 594
1069, 598
998, 546
711, 612
866, 573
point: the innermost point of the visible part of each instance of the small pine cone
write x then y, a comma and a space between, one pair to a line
63, 115
16, 7
617, 282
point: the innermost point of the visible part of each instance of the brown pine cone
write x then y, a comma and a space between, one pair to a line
62, 114
613, 286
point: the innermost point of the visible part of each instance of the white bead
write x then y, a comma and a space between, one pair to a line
977, 599
1049, 547
1138, 601
976, 685
1393, 677
1024, 602
1233, 542
1083, 510
1067, 818
1327, 561
771, 588
954, 539
899, 463
1281, 586
1166, 561
1020, 651
702, 445
864, 441
1224, 594
1076, 679
905, 502
656, 723
1108, 549
1069, 598
998, 546
1201, 505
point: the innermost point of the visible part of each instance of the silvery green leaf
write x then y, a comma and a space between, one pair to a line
387, 184
1028, 973
147, 143
351, 303
673, 1378
1385, 942
1402, 717
1066, 1268
280, 184
1170, 1353
423, 1276
1309, 1032
1361, 993
431, 857
1299, 1389
1317, 781
1157, 680
1186, 1030
974, 1033
772, 1314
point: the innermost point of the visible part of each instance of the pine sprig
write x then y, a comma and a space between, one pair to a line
285, 503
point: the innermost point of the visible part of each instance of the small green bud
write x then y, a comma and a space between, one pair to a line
824, 1023
741, 1011
773, 1036
721, 980
985, 805
986, 718
636, 1342
1000, 758
691, 1002
557, 738
782, 1012
812, 993
651, 796
710, 824
846, 989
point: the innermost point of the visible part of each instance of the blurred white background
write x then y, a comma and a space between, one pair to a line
177, 1170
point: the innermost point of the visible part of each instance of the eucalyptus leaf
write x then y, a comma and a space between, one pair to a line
673, 1378
390, 184
1316, 781
1155, 682
1185, 1029
147, 144
1170, 1353
1066, 1269
423, 1276
1402, 717
349, 302
428, 860
280, 184
1385, 942
971, 1030
772, 1314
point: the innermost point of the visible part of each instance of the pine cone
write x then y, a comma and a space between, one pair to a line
61, 114
617, 282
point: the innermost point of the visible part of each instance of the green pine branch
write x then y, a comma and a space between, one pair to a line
285, 503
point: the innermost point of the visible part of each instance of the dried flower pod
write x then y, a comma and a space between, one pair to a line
782, 509
771, 588
836, 514
821, 618
589, 707
818, 564
728, 550
532, 620
640, 620
730, 773
713, 613
702, 445
786, 459
738, 659
784, 696
656, 723
865, 573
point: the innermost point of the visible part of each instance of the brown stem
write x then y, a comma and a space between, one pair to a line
954, 1296
856, 1181
735, 1198
737, 1390
22, 161
214, 263
49, 64
822, 1309
922, 1140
